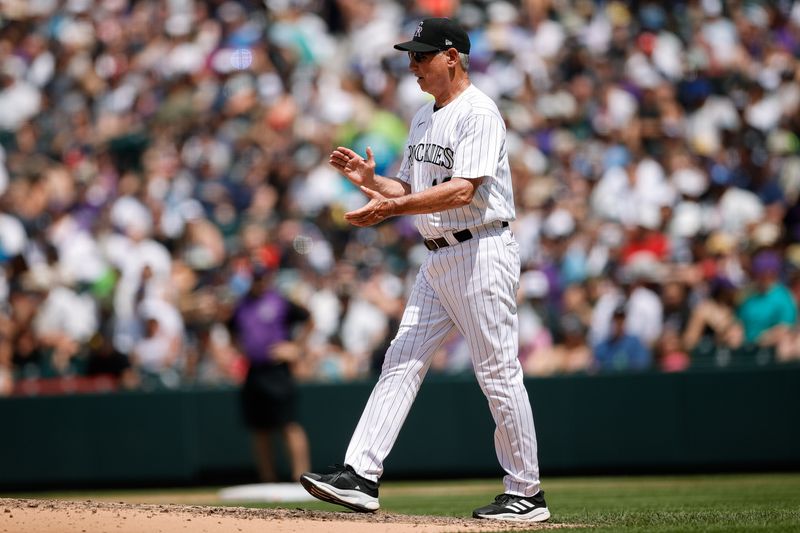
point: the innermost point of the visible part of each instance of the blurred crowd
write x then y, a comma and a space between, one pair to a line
155, 153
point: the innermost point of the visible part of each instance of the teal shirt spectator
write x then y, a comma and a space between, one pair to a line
762, 311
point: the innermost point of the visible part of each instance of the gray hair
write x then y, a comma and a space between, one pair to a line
464, 58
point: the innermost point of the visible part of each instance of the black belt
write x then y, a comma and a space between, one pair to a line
460, 236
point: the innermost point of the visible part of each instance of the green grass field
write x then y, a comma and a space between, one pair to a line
719, 503
729, 503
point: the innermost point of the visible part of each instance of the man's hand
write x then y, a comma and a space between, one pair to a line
358, 170
378, 209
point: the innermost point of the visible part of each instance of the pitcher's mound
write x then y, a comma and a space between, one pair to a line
61, 516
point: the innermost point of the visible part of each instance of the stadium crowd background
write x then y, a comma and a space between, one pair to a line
156, 152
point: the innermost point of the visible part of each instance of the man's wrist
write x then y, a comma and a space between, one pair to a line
391, 207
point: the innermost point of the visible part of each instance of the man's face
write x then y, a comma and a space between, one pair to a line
765, 280
431, 68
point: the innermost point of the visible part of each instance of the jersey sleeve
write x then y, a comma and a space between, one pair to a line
477, 152
404, 174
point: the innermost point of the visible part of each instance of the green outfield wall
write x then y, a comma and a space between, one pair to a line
696, 421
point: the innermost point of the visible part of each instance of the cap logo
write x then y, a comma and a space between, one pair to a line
432, 34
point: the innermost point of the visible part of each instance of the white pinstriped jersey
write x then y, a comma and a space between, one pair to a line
464, 139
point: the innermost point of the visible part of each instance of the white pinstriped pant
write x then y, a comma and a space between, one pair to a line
470, 286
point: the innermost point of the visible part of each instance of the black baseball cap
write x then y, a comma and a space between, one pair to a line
434, 34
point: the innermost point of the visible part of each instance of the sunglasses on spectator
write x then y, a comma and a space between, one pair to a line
422, 57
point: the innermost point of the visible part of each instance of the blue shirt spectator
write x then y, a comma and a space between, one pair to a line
621, 351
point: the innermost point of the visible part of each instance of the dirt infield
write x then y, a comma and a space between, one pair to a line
62, 516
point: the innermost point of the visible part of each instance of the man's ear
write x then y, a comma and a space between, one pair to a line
452, 57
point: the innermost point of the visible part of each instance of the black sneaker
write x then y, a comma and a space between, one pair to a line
343, 487
510, 507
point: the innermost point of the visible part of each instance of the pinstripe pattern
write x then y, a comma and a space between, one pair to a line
466, 139
470, 286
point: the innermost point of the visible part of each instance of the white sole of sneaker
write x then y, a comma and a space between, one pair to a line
352, 499
535, 515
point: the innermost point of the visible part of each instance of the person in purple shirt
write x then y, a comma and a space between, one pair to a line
264, 326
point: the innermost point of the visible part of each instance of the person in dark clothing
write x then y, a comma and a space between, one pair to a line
105, 360
264, 325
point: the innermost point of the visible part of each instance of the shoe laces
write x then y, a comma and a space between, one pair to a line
338, 469
503, 499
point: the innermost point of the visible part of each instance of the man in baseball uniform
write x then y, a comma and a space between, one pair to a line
455, 179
